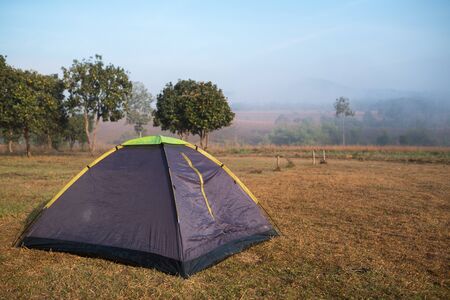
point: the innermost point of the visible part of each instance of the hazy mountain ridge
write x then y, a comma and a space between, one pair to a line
321, 94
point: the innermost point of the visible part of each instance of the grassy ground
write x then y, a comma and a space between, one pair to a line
416, 154
351, 229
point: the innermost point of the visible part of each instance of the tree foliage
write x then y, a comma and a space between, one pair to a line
9, 126
97, 91
139, 109
31, 102
305, 132
74, 131
342, 107
54, 110
170, 109
343, 110
191, 107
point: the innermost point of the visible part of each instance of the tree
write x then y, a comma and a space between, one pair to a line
209, 111
35, 103
53, 110
26, 96
343, 110
74, 131
170, 109
98, 92
10, 136
30, 103
139, 110
192, 107
9, 125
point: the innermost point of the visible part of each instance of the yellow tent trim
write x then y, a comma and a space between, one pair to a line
104, 155
80, 174
201, 182
226, 169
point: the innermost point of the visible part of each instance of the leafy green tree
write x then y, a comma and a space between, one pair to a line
343, 110
74, 131
10, 136
9, 125
139, 110
40, 106
98, 92
50, 116
30, 102
285, 136
192, 107
331, 132
209, 111
53, 110
170, 109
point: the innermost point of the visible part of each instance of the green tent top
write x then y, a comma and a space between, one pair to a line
154, 140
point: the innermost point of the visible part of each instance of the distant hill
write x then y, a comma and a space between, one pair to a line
321, 94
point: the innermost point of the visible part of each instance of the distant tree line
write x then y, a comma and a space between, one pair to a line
390, 122
49, 110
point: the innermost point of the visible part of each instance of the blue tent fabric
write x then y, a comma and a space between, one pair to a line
234, 214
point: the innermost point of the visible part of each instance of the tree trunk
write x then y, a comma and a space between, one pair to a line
26, 135
183, 136
10, 146
202, 139
86, 130
49, 142
94, 134
343, 130
206, 139
140, 133
71, 144
91, 139
10, 149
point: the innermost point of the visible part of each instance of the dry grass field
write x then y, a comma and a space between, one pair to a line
351, 229
417, 154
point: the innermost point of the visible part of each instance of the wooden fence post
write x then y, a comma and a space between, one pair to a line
278, 164
324, 159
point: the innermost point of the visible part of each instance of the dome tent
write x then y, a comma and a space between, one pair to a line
156, 202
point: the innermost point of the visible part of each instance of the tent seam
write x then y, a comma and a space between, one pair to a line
202, 184
180, 243
236, 179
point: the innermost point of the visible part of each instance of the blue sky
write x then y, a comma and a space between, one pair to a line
254, 50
